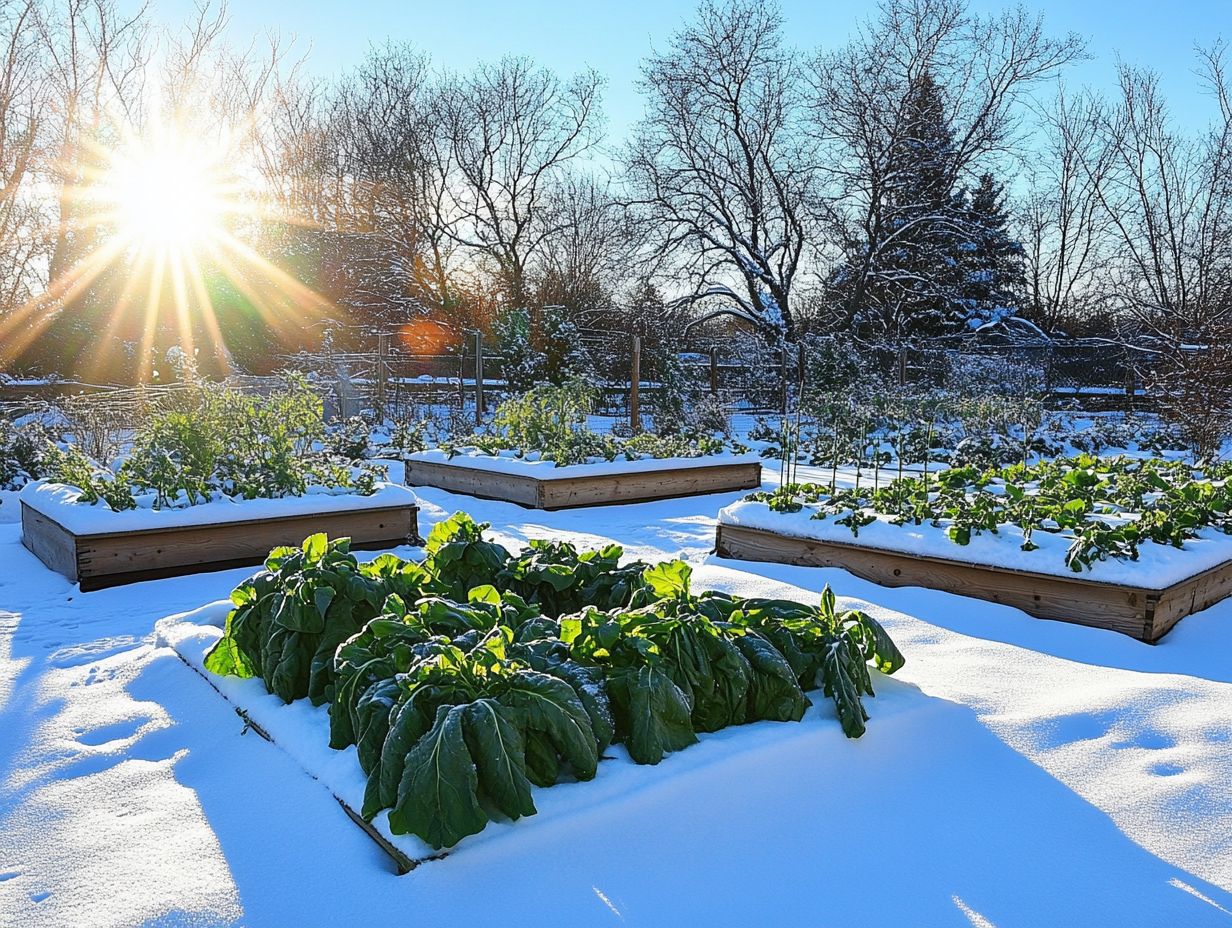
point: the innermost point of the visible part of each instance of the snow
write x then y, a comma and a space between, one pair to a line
510, 463
1015, 772
1158, 566
59, 501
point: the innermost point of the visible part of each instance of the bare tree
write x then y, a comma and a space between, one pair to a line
586, 260
22, 216
1063, 228
865, 99
1169, 199
719, 180
97, 65
510, 130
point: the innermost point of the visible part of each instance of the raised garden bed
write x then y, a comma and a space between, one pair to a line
1143, 608
99, 548
542, 485
431, 718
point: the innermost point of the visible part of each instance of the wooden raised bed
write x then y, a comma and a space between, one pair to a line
536, 492
1142, 612
104, 559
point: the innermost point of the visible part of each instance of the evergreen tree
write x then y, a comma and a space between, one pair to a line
994, 275
937, 259
909, 281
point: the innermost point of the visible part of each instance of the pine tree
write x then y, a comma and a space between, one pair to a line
913, 278
994, 275
939, 258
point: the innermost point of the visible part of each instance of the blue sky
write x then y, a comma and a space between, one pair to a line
614, 36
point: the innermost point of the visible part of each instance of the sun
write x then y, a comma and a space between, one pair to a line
166, 196
170, 250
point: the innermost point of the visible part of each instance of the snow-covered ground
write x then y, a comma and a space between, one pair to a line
1015, 773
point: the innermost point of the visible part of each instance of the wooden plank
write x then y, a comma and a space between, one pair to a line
49, 541
1190, 596
1140, 612
596, 490
113, 558
640, 486
473, 481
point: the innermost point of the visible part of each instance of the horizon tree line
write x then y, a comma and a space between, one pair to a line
930, 176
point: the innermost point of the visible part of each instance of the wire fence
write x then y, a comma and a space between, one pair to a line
637, 376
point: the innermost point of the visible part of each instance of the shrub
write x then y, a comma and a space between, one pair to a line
217, 442
25, 453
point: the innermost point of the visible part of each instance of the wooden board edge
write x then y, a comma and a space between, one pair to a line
94, 582
954, 562
254, 520
403, 863
747, 475
55, 546
1097, 605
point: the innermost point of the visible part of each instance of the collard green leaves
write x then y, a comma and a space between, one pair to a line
467, 680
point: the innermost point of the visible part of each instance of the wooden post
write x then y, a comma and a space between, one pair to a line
714, 371
478, 377
635, 382
783, 378
381, 373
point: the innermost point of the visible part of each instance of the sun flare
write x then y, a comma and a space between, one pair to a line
166, 197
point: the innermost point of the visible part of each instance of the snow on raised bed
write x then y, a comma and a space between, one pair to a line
60, 502
508, 462
1158, 566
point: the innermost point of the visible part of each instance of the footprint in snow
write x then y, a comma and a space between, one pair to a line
1151, 740
107, 734
8, 875
1167, 770
79, 655
1081, 726
39, 897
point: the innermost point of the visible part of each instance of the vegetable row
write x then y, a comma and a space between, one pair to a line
467, 679
1105, 507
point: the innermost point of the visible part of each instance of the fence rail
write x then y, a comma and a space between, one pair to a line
635, 374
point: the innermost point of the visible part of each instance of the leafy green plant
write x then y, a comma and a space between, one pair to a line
828, 649
459, 702
560, 579
214, 442
71, 466
25, 452
459, 558
1106, 507
290, 619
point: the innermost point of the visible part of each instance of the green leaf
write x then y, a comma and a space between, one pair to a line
322, 596
287, 664
499, 754
774, 691
840, 681
371, 721
484, 594
226, 659
296, 616
551, 707
315, 546
669, 579
409, 721
652, 713
438, 795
